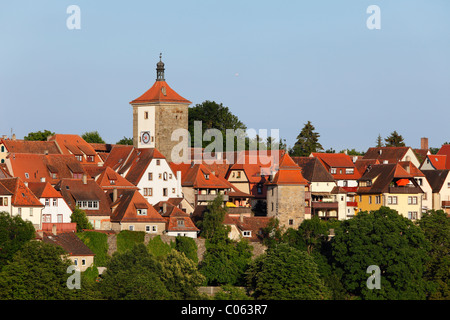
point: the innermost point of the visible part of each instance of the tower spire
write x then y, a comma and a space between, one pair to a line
160, 70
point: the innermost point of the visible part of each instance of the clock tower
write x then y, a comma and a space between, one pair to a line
157, 113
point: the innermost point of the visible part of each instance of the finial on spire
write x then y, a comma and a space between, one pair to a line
160, 69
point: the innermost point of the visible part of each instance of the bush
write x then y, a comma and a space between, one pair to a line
158, 248
127, 239
98, 243
187, 246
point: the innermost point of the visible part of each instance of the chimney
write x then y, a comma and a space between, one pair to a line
164, 207
407, 168
54, 229
46, 152
84, 178
114, 195
13, 136
424, 143
241, 217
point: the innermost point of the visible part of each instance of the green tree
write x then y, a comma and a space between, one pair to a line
187, 246
226, 262
312, 232
213, 115
79, 217
14, 233
229, 292
385, 239
38, 135
379, 142
36, 272
285, 273
211, 225
181, 276
307, 142
272, 234
134, 274
436, 225
394, 140
125, 141
92, 137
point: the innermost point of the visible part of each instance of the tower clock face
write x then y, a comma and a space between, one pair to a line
145, 137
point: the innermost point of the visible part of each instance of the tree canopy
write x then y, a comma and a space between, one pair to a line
38, 135
92, 137
394, 140
307, 142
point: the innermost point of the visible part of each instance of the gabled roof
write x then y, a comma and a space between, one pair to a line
117, 156
199, 176
436, 178
439, 162
413, 170
109, 179
288, 173
382, 175
313, 170
76, 145
22, 195
138, 162
37, 166
70, 242
43, 190
390, 154
24, 146
172, 215
160, 92
362, 164
445, 150
253, 224
74, 190
124, 209
334, 160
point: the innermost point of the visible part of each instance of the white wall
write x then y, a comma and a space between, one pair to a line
158, 184
54, 211
145, 124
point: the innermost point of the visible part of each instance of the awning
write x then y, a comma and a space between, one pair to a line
402, 182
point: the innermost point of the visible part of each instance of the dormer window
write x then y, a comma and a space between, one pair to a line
180, 223
27, 175
79, 158
141, 212
207, 176
333, 170
247, 234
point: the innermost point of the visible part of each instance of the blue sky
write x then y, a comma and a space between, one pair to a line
276, 65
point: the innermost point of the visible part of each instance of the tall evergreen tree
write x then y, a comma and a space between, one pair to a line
394, 140
307, 142
379, 141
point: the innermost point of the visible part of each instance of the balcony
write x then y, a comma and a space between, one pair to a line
405, 190
445, 204
60, 227
324, 205
211, 197
352, 204
307, 195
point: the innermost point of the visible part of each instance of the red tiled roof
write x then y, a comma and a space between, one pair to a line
70, 242
24, 146
160, 92
22, 195
173, 215
74, 144
445, 150
109, 179
341, 162
439, 162
413, 170
288, 173
195, 176
37, 166
43, 190
126, 205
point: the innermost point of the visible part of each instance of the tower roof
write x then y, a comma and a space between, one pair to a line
160, 91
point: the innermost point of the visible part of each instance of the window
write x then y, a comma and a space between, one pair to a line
333, 170
259, 189
238, 174
180, 223
54, 176
27, 175
47, 218
412, 215
89, 204
349, 171
247, 234
47, 202
75, 261
412, 200
370, 199
112, 182
19, 211
165, 176
173, 190
150, 176
154, 228
131, 228
272, 206
160, 176
141, 212
392, 200
158, 162
31, 212
83, 262
377, 199
165, 192
90, 158
170, 176
55, 202
291, 222
146, 115
79, 158
59, 218
148, 192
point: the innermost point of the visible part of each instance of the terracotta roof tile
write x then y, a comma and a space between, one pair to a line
22, 195
70, 242
160, 92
